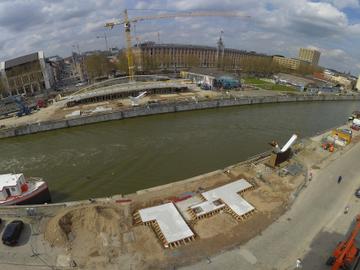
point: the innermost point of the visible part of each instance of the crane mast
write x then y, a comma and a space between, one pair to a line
127, 25
129, 53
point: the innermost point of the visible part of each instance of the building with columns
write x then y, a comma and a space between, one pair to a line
26, 74
151, 55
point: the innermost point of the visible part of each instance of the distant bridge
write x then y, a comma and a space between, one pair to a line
125, 90
122, 80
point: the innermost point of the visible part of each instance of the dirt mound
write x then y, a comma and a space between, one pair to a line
93, 231
212, 226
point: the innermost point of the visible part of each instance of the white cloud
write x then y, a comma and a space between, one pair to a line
341, 4
337, 57
334, 53
276, 26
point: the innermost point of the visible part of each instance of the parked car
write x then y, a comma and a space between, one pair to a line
80, 84
12, 232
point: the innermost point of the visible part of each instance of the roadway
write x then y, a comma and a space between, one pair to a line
309, 230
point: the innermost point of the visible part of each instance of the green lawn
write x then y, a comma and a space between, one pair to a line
254, 81
267, 85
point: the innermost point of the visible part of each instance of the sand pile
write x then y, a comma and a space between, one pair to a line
91, 233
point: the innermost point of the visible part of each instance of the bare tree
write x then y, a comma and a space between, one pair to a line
192, 61
98, 65
122, 63
307, 69
2, 88
150, 62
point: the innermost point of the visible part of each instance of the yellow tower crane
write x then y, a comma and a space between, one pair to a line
126, 21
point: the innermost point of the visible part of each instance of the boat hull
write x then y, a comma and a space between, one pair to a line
39, 196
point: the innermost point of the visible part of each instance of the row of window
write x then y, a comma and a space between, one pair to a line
18, 81
211, 57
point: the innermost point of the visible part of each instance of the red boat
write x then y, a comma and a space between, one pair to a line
15, 189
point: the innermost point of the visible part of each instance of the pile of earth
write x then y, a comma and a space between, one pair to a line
92, 234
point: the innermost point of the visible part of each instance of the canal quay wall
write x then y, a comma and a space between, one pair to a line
161, 108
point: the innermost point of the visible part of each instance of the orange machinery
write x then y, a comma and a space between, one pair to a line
346, 255
328, 146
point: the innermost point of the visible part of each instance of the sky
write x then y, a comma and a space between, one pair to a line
275, 26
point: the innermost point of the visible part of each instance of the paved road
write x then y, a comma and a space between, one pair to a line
309, 230
31, 253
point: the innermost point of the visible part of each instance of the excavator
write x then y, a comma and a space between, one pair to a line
23, 107
346, 255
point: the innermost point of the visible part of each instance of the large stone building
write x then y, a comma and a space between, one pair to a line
25, 75
286, 62
307, 58
152, 55
309, 55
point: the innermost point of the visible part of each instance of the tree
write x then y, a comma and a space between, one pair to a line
98, 65
192, 61
2, 88
122, 63
226, 63
259, 65
307, 69
150, 62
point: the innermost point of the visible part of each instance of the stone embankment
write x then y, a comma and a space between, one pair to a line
161, 108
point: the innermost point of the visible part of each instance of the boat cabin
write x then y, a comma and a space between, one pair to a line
11, 185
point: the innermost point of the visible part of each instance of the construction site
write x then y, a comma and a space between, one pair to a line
263, 213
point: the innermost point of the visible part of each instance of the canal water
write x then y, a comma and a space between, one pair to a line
124, 156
